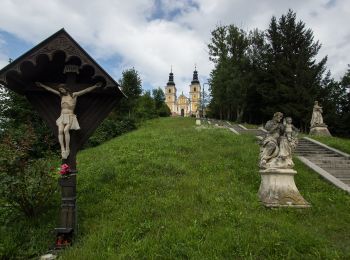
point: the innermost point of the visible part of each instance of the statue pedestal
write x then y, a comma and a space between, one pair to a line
198, 122
278, 189
321, 130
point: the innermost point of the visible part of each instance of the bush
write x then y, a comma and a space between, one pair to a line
27, 185
145, 107
164, 110
109, 129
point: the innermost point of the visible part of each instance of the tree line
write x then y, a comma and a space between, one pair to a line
260, 72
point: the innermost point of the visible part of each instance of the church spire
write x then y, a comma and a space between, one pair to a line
171, 78
195, 76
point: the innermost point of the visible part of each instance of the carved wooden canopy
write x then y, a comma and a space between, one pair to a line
45, 63
60, 49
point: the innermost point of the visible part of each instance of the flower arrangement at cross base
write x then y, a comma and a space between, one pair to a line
64, 171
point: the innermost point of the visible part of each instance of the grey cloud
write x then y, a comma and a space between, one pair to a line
151, 41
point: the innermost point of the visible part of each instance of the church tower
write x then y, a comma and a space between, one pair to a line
170, 93
195, 92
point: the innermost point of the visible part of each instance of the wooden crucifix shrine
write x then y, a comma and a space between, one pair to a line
73, 94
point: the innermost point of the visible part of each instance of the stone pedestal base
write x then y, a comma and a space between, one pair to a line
198, 122
320, 131
278, 189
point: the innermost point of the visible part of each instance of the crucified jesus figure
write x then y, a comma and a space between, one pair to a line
67, 120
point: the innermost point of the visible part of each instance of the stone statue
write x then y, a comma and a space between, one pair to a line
287, 143
198, 118
277, 187
270, 144
317, 126
279, 143
67, 120
317, 119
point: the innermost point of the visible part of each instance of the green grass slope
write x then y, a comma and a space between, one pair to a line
171, 190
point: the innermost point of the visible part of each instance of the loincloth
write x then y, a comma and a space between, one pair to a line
68, 119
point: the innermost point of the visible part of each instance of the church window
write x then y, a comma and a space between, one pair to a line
169, 90
194, 89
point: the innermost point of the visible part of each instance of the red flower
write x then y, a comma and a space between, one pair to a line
64, 169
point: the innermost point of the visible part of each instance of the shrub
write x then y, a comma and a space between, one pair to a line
145, 107
110, 128
164, 110
26, 185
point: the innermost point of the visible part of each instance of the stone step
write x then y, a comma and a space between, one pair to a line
319, 155
315, 151
342, 177
339, 171
332, 160
311, 147
335, 167
347, 182
333, 163
323, 156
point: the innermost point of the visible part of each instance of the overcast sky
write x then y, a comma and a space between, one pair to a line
152, 35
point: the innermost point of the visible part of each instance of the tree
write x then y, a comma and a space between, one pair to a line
145, 107
294, 78
229, 80
159, 100
131, 85
345, 104
256, 72
16, 115
158, 96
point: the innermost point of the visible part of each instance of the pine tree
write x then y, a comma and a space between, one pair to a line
294, 76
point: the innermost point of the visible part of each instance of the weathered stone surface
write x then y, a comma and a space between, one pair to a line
330, 163
320, 131
48, 257
278, 189
317, 126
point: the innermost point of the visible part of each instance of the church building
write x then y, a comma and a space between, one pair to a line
182, 105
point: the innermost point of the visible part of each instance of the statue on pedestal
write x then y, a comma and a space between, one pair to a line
277, 188
317, 119
317, 126
198, 118
67, 120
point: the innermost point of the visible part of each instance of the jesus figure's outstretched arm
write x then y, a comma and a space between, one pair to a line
47, 88
84, 91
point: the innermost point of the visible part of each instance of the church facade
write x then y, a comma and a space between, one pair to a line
182, 105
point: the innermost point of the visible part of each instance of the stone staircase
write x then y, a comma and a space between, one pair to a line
332, 164
237, 129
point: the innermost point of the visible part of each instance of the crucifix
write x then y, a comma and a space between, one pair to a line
73, 94
67, 120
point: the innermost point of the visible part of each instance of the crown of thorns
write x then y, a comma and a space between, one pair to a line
71, 68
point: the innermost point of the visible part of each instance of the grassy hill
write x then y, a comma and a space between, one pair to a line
171, 190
